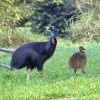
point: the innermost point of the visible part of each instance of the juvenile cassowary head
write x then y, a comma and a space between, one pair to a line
81, 48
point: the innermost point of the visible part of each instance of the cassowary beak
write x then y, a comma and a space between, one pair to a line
50, 28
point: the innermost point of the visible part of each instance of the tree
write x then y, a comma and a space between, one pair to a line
57, 12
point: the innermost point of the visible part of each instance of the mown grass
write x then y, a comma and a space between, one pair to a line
60, 82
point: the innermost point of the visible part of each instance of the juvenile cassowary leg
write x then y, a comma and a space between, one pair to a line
28, 73
75, 71
83, 69
83, 66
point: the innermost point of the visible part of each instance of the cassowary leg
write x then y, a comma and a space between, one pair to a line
40, 69
28, 73
42, 74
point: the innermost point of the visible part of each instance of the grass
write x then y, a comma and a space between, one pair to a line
60, 82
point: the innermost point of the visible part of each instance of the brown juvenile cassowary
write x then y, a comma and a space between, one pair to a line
78, 60
34, 54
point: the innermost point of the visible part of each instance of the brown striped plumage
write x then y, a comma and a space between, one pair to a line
78, 60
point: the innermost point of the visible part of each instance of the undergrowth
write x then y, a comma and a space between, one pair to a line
60, 82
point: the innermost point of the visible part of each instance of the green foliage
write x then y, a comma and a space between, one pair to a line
60, 82
87, 28
81, 23
11, 12
56, 13
9, 15
20, 36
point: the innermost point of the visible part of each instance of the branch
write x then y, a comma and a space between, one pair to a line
7, 50
5, 66
94, 35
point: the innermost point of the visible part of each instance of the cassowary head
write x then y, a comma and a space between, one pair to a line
81, 48
52, 34
51, 28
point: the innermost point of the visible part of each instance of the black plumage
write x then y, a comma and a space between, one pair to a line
78, 60
33, 55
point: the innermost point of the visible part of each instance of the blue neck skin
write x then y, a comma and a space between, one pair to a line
52, 34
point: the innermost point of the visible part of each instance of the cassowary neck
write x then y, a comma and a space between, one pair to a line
52, 33
52, 37
49, 50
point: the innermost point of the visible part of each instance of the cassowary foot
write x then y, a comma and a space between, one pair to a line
42, 74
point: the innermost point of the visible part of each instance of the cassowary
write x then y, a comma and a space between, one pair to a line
78, 60
34, 54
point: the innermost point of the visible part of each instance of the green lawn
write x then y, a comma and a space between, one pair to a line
60, 82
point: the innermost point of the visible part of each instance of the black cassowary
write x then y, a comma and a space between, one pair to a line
78, 60
33, 55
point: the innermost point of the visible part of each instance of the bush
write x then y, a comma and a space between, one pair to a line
19, 36
88, 27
